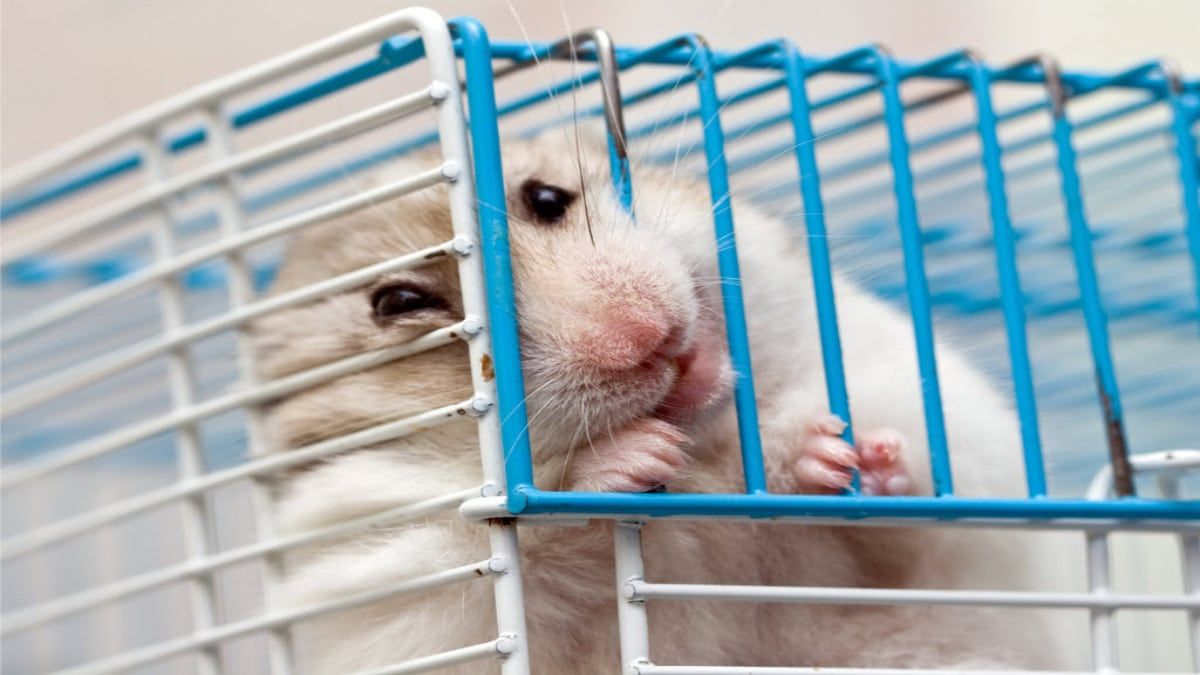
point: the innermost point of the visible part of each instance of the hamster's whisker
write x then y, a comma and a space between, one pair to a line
510, 215
549, 70
587, 216
792, 213
579, 165
571, 446
760, 166
587, 432
529, 422
562, 478
348, 176
529, 419
670, 97
673, 182
636, 164
727, 282
526, 400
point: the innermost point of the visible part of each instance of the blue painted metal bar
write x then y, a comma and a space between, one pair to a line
753, 127
675, 119
475, 50
493, 226
727, 263
1010, 284
739, 345
622, 177
946, 167
840, 506
401, 46
813, 67
42, 269
1014, 147
1093, 308
1144, 76
626, 58
748, 426
398, 52
953, 61
860, 60
1150, 179
60, 187
1189, 183
925, 69
914, 272
818, 242
66, 185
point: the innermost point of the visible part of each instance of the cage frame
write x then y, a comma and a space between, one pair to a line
508, 490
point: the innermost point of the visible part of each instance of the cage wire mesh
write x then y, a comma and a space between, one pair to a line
137, 513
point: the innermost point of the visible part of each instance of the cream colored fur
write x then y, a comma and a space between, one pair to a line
566, 286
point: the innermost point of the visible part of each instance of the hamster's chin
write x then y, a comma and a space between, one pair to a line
703, 380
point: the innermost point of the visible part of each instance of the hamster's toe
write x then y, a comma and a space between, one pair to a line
824, 462
648, 454
881, 462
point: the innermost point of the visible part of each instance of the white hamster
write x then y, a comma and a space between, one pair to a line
628, 384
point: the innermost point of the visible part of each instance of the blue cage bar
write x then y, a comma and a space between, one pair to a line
790, 71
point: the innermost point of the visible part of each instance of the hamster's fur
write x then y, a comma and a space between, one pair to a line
612, 314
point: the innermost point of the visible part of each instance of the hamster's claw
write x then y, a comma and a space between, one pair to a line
646, 455
825, 463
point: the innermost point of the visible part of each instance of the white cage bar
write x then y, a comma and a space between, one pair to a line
108, 222
193, 490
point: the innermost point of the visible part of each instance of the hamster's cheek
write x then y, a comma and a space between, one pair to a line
565, 407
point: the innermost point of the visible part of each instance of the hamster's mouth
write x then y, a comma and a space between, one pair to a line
703, 378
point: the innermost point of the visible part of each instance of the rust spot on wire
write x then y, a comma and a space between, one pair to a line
1122, 471
436, 254
489, 371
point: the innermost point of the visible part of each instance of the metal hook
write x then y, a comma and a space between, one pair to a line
1172, 74
1118, 446
1056, 89
610, 85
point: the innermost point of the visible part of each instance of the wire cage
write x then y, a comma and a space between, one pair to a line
1049, 218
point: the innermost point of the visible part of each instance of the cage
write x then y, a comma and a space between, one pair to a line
1050, 218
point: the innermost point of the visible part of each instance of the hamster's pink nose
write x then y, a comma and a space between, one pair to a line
626, 341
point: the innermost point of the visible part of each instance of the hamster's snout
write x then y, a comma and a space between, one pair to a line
625, 338
631, 320
615, 322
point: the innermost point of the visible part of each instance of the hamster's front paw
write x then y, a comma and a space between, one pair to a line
647, 454
823, 463
881, 468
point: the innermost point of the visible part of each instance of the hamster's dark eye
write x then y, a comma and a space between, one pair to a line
547, 203
391, 301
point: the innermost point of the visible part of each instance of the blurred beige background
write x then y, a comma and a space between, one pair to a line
69, 65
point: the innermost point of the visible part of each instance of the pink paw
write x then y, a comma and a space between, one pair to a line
647, 454
826, 462
881, 468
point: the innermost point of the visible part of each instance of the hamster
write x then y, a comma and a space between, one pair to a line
629, 388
